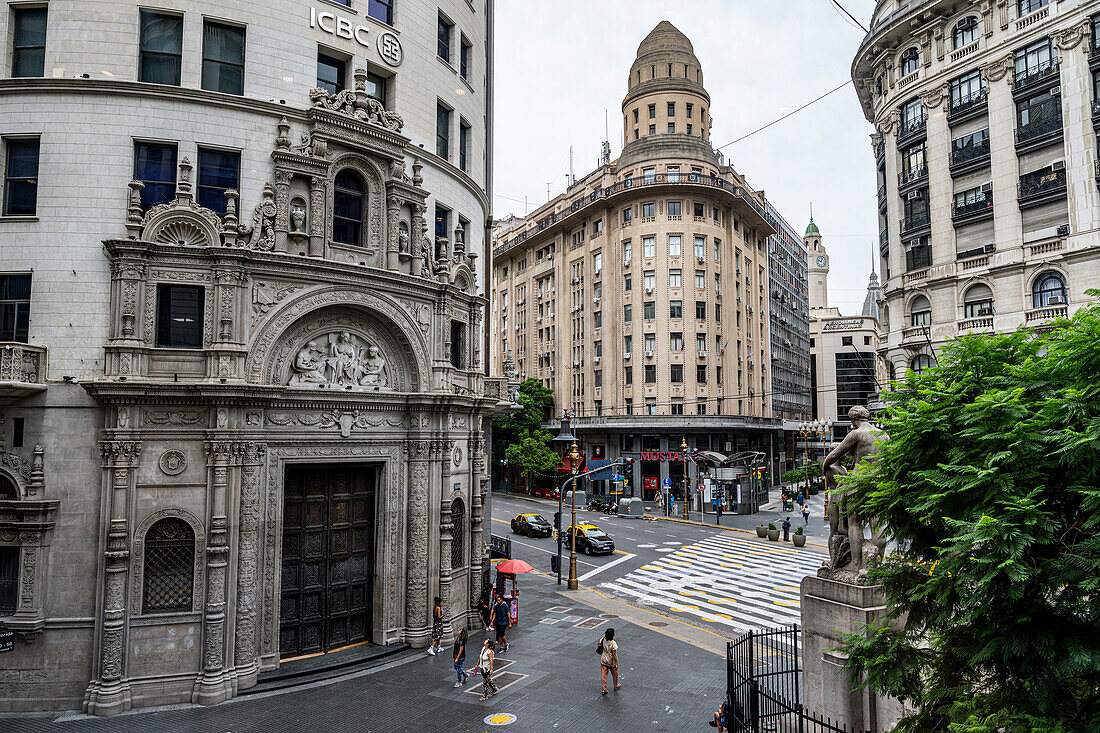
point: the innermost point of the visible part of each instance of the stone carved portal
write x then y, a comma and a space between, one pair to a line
339, 360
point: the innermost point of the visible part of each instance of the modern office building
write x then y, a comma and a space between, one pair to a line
986, 149
244, 379
845, 369
789, 321
641, 294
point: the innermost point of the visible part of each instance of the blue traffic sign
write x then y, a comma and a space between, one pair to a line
668, 482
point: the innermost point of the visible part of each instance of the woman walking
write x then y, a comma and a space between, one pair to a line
437, 628
609, 659
485, 667
460, 657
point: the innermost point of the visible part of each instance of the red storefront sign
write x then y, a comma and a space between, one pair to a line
653, 455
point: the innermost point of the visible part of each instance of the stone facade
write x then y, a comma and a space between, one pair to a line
789, 321
986, 110
149, 475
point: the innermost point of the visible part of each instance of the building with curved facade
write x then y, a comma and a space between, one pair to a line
986, 150
641, 294
243, 379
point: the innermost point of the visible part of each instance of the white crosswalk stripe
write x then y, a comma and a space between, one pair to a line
724, 579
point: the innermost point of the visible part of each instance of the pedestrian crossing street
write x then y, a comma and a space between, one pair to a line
726, 580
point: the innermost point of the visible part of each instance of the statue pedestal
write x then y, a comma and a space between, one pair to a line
832, 609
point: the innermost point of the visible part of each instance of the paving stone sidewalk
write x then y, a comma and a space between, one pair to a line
551, 672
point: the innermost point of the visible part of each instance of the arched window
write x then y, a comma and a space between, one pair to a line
978, 301
458, 534
1049, 289
169, 567
966, 31
348, 201
7, 488
921, 362
910, 60
885, 315
920, 312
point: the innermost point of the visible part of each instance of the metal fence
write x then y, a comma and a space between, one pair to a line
764, 686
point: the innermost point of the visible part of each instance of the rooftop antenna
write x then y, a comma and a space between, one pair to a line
572, 179
873, 258
548, 191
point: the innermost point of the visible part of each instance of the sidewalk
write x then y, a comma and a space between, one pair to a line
549, 680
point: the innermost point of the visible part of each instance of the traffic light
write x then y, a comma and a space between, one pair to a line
695, 454
557, 520
628, 464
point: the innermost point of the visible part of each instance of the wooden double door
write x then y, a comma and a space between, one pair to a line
328, 557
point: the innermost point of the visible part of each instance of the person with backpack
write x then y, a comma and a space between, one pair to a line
805, 515
459, 651
786, 529
437, 628
609, 659
501, 621
485, 669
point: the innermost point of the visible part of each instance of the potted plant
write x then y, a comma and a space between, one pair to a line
799, 538
761, 530
773, 532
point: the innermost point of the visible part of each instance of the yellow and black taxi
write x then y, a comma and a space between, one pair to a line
532, 525
591, 540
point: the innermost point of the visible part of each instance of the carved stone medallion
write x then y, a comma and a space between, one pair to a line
172, 462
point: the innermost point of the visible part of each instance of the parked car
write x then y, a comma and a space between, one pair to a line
532, 525
591, 540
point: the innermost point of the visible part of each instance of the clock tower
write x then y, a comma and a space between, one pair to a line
818, 267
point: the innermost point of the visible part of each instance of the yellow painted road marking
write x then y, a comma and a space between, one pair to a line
786, 603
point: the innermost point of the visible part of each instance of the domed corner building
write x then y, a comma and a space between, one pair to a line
641, 294
244, 381
986, 119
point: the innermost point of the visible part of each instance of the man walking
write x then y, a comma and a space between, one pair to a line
786, 529
501, 621
805, 515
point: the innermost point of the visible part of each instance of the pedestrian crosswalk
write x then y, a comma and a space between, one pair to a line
726, 579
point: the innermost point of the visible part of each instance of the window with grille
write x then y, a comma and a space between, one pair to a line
169, 567
458, 534
9, 579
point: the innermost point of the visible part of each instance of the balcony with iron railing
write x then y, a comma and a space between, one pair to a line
911, 128
1039, 130
1096, 113
981, 207
913, 222
971, 154
911, 176
22, 370
884, 236
880, 154
1037, 187
1033, 77
972, 103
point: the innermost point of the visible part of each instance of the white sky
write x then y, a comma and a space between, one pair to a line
561, 63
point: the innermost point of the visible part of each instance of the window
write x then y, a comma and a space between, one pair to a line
21, 177
920, 312
978, 302
1030, 6
179, 316
652, 111
912, 161
381, 10
688, 108
674, 246
966, 147
348, 199
464, 51
701, 407
671, 127
161, 48
1035, 58
650, 342
912, 115
168, 583
1038, 111
28, 54
648, 212
331, 73
628, 376
628, 214
671, 109
651, 406
15, 306
1049, 289
9, 564
443, 45
628, 313
376, 88
700, 247
442, 223
649, 246
635, 115
458, 344
910, 61
649, 175
458, 534
701, 343
442, 131
464, 145
597, 348
222, 58
628, 344
674, 209
966, 31
921, 363
700, 279
701, 373
677, 406
674, 278
597, 319
718, 374
219, 171
628, 282
676, 309
966, 89
649, 310
629, 403
672, 175
650, 373
676, 341
717, 250
597, 229
155, 166
700, 310
845, 340
649, 279
689, 128
626, 251
717, 312
699, 209
676, 373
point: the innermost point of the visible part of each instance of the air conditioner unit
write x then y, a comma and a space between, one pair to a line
595, 360
740, 358
1058, 165
739, 299
553, 290
703, 354
576, 364
626, 355
649, 291
538, 319
596, 300
987, 187
1063, 230
913, 195
551, 315
576, 280
597, 271
1055, 91
701, 259
738, 270
538, 295
649, 354
517, 326
1056, 300
551, 370
550, 256
626, 263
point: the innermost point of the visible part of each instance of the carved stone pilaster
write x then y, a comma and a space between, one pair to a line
417, 629
282, 209
393, 219
214, 684
316, 216
109, 692
477, 524
419, 227
134, 214
246, 652
446, 537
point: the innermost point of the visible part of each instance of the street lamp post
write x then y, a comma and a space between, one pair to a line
574, 459
564, 438
687, 493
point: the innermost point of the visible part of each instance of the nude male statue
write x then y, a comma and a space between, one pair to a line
846, 531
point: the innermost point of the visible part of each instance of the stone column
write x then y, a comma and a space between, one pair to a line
1076, 80
316, 216
246, 652
417, 627
1007, 223
214, 684
477, 539
416, 239
109, 693
393, 219
446, 536
888, 128
282, 209
937, 150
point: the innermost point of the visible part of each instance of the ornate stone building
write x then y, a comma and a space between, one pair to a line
986, 116
245, 394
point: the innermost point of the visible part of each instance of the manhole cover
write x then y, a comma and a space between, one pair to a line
609, 615
500, 719
657, 623
589, 623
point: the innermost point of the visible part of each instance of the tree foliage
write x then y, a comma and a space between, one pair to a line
990, 483
520, 435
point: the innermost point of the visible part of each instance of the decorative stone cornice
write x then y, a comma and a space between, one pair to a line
1070, 38
997, 70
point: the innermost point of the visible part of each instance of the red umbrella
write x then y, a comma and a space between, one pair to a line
511, 567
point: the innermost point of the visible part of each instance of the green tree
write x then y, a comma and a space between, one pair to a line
990, 483
520, 437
